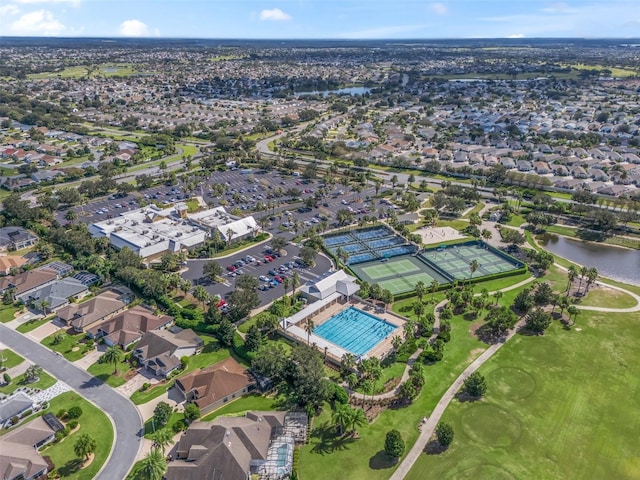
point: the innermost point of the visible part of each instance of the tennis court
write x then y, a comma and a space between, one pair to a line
398, 274
364, 245
456, 260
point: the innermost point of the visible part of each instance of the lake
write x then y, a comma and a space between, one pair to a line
339, 91
620, 264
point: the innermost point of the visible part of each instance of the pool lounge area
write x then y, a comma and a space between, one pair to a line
346, 327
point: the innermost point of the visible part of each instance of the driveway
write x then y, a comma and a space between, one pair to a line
123, 414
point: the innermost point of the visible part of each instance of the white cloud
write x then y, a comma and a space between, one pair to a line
439, 8
517, 35
8, 10
40, 22
274, 14
134, 28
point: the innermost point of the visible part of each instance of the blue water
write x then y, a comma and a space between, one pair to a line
354, 330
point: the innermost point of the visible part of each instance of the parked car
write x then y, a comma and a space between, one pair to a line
263, 287
263, 278
272, 272
231, 268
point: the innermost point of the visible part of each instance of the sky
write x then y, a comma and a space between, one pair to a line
321, 19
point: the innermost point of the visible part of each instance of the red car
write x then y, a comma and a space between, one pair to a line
278, 279
231, 268
268, 258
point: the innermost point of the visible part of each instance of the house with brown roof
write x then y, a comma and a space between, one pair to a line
160, 351
99, 308
128, 327
216, 385
8, 262
27, 282
260, 444
19, 457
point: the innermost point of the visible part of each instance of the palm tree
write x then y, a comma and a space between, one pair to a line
185, 285
563, 303
153, 466
358, 419
573, 311
309, 327
572, 274
486, 235
420, 290
473, 267
113, 355
434, 288
85, 446
216, 238
341, 417
396, 342
162, 439
230, 233
295, 282
32, 373
592, 275
285, 284
583, 272
71, 216
201, 294
497, 295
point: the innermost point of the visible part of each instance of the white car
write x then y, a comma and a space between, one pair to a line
262, 278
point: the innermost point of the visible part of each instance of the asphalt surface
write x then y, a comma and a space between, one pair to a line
125, 416
194, 272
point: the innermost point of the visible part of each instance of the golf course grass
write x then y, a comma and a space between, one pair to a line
564, 405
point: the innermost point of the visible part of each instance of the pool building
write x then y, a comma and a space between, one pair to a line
344, 324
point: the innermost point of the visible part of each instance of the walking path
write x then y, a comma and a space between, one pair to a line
429, 427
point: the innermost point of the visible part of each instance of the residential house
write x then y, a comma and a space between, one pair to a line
524, 166
14, 406
160, 351
259, 444
507, 162
128, 327
45, 175
16, 238
26, 282
560, 170
541, 168
578, 172
598, 175
99, 308
19, 457
216, 385
9, 262
51, 297
614, 190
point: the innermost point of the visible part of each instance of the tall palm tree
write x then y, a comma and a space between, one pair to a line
420, 290
583, 272
358, 419
32, 374
153, 466
497, 295
162, 439
295, 282
341, 417
473, 267
113, 354
573, 311
434, 287
572, 274
309, 327
592, 275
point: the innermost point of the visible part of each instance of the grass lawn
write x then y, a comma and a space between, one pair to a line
149, 425
104, 371
70, 346
93, 422
7, 312
45, 382
572, 232
33, 324
10, 358
395, 370
607, 297
516, 220
245, 404
459, 225
326, 456
479, 206
558, 406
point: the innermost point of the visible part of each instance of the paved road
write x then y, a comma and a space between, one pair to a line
123, 413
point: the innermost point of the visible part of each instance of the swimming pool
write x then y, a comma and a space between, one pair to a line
354, 330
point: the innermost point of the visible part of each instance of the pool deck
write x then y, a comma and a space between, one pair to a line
334, 352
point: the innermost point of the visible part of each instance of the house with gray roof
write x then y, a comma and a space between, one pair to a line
99, 308
160, 351
19, 457
14, 406
55, 295
16, 238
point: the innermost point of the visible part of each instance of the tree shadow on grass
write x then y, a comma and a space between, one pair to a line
211, 347
71, 467
464, 397
381, 461
434, 448
325, 439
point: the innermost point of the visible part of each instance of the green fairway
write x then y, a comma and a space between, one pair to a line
559, 406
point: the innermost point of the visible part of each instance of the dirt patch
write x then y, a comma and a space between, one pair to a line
475, 353
75, 349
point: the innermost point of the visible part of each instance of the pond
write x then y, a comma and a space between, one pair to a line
616, 263
339, 91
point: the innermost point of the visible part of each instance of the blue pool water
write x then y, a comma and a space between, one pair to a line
354, 330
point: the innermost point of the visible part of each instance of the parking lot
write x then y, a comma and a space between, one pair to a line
194, 272
244, 191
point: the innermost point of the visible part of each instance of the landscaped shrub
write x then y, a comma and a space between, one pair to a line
74, 412
15, 420
72, 424
179, 426
62, 413
27, 413
7, 378
145, 386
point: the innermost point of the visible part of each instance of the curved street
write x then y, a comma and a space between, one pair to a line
123, 414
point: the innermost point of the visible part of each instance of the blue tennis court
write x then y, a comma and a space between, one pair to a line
354, 330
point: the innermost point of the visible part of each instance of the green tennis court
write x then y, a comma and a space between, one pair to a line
456, 260
398, 274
